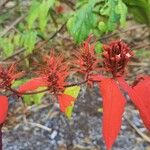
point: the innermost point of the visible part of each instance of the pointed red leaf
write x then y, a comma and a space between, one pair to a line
3, 108
65, 101
113, 108
140, 96
142, 89
32, 84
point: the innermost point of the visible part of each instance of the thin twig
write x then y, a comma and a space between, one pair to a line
41, 45
76, 84
4, 3
122, 31
12, 25
145, 137
40, 126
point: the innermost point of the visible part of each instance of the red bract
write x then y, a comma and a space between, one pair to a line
65, 101
140, 96
86, 60
113, 108
3, 108
116, 56
8, 75
32, 85
142, 90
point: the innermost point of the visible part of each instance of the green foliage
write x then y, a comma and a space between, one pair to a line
121, 9
140, 10
82, 22
7, 46
116, 12
74, 92
39, 11
142, 53
98, 16
98, 48
28, 40
33, 99
36, 23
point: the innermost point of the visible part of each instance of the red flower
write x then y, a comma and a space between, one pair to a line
8, 75
52, 75
86, 60
116, 56
55, 72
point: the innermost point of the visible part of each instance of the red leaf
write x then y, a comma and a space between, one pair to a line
142, 89
65, 101
3, 108
113, 108
32, 84
140, 95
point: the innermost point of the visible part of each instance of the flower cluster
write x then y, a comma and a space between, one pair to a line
54, 72
86, 60
116, 56
8, 75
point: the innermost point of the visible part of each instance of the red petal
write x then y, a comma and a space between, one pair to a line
140, 95
32, 84
113, 108
65, 101
3, 108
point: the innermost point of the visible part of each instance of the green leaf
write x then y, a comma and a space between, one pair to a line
33, 13
140, 10
98, 48
34, 99
16, 40
102, 26
116, 12
83, 21
69, 111
72, 91
121, 9
113, 17
43, 13
28, 40
7, 46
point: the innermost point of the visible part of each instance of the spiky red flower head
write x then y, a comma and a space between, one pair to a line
8, 75
116, 56
54, 72
86, 60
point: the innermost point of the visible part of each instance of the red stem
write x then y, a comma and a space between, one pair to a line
47, 89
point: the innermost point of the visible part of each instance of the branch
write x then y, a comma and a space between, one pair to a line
12, 25
41, 45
